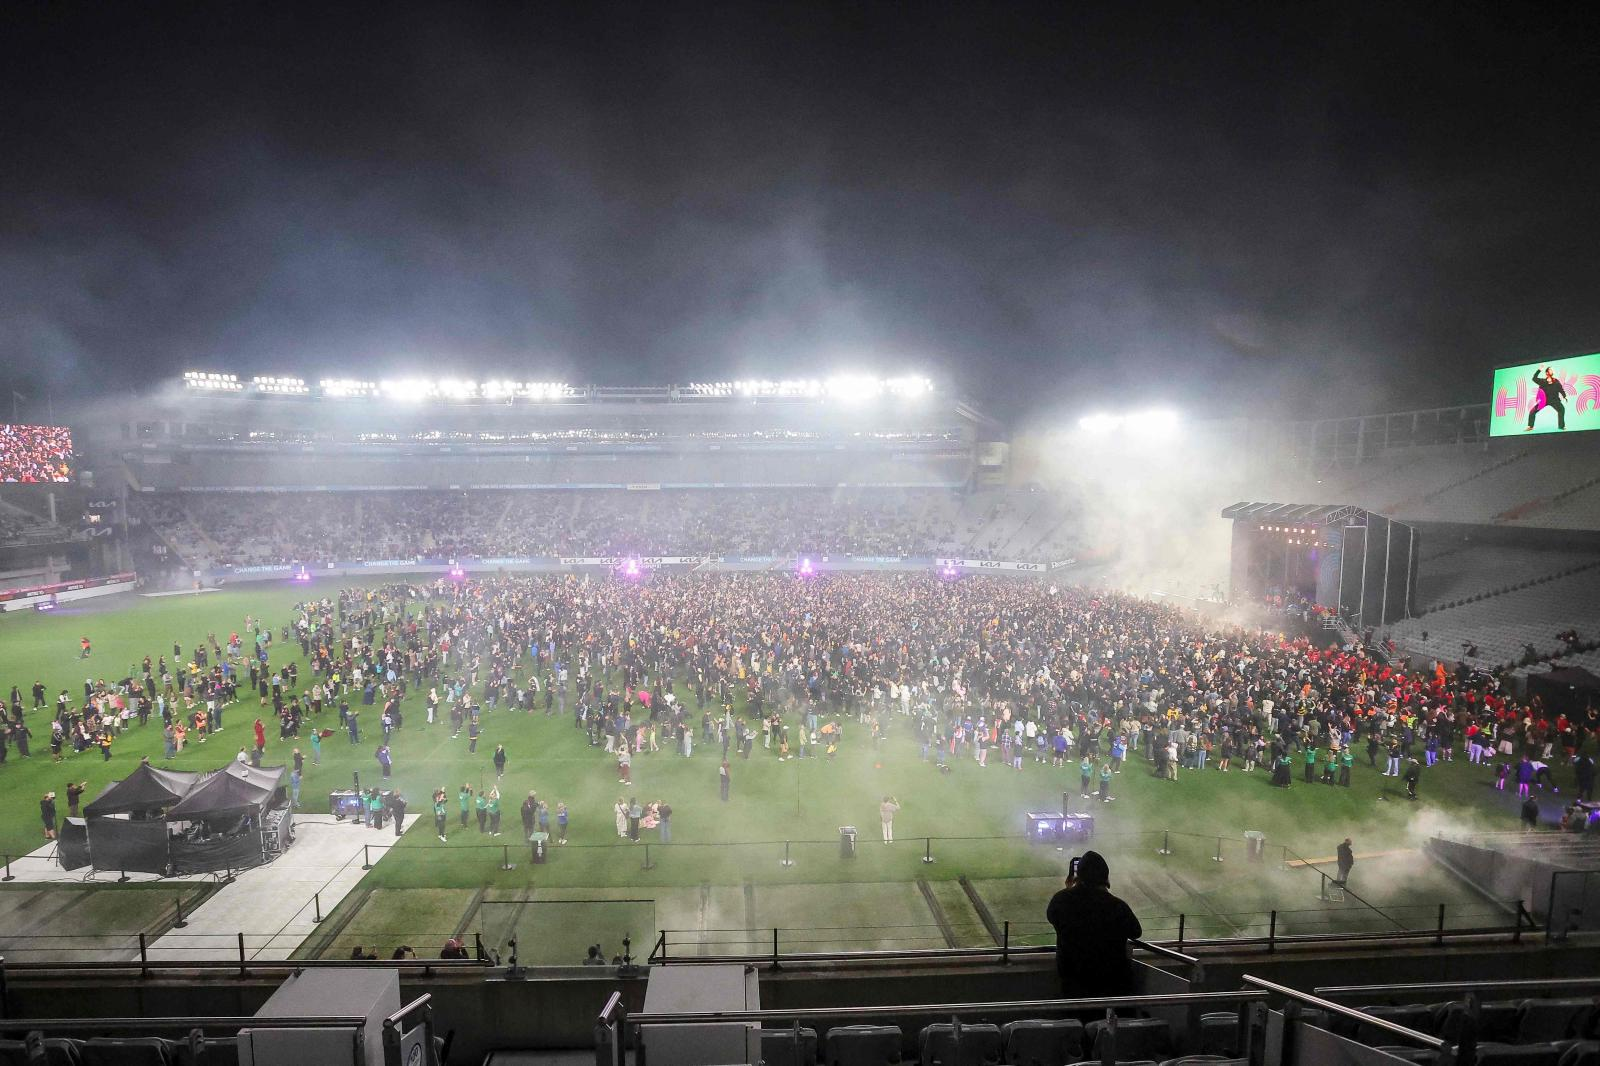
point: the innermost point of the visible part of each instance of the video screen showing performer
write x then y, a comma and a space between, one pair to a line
35, 455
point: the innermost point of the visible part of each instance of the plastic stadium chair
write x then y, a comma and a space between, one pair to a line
51, 1052
1042, 1042
1545, 1054
1550, 1019
1137, 1038
778, 1047
128, 1051
1119, 1062
1420, 1055
1205, 1060
1581, 1053
980, 1045
863, 1045
1219, 1033
1497, 1022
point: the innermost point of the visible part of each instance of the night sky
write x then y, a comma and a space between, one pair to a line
1290, 210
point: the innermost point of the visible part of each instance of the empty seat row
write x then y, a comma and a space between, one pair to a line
1030, 1042
38, 1050
1525, 1021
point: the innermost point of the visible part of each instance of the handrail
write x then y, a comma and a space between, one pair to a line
1552, 984
1348, 1012
997, 1007
1158, 949
191, 1022
608, 1013
410, 1008
254, 964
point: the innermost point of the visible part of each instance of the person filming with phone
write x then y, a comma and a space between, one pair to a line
1093, 928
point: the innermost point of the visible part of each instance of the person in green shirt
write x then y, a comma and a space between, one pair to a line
440, 814
1329, 766
316, 747
465, 799
1086, 774
375, 807
483, 812
1311, 763
494, 812
1346, 759
1105, 783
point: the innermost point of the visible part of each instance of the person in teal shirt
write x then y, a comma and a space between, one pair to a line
494, 812
465, 799
1086, 775
375, 806
483, 812
1311, 764
440, 814
1346, 759
1105, 783
316, 747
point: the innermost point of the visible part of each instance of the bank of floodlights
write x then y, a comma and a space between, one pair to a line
197, 379
846, 388
279, 386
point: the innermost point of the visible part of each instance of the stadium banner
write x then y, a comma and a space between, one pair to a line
66, 591
991, 564
1549, 397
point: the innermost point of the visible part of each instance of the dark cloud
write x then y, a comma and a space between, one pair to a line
1335, 207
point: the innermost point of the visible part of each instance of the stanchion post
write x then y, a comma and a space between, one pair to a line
316, 901
787, 861
9, 876
1440, 939
1005, 944
927, 850
242, 969
144, 960
1218, 856
124, 879
1272, 932
1180, 933
1166, 843
180, 923
366, 859
505, 857
776, 965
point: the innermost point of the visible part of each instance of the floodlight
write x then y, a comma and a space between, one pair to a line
1099, 423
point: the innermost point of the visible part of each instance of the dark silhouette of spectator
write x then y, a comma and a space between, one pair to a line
1093, 928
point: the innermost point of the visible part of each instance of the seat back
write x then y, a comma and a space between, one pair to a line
1550, 1019
1042, 1042
128, 1051
778, 1047
35, 1049
1418, 1016
1137, 1039
1581, 1053
863, 1045
1420, 1055
1544, 1054
980, 1045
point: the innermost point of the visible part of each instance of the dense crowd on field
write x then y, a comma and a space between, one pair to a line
998, 672
252, 529
1004, 674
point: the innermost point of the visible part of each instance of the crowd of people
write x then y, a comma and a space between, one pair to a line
233, 530
35, 455
990, 671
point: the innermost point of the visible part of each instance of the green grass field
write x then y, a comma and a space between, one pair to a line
722, 878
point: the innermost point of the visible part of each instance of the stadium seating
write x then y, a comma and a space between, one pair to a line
863, 1045
1042, 1042
978, 1045
780, 1048
1136, 1038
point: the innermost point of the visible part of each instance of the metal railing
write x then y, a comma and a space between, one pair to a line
617, 1029
1461, 988
1305, 999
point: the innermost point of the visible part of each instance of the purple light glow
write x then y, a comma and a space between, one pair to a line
806, 569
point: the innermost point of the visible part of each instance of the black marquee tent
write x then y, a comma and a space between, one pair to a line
171, 821
1570, 689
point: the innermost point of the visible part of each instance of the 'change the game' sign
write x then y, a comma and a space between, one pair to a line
1558, 395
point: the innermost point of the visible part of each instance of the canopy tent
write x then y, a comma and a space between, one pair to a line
1569, 688
146, 790
234, 789
167, 821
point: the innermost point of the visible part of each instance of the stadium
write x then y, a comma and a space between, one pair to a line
798, 533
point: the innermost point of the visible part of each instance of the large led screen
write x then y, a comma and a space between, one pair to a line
1556, 396
35, 455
